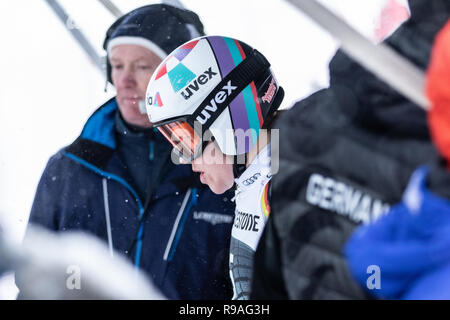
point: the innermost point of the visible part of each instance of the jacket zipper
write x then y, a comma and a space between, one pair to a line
178, 226
126, 185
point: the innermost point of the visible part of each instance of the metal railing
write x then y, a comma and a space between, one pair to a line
380, 59
71, 26
79, 36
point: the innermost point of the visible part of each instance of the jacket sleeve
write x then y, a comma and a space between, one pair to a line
47, 206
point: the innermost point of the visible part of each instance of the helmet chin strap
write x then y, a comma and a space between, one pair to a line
239, 168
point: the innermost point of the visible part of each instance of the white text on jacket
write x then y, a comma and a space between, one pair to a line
341, 198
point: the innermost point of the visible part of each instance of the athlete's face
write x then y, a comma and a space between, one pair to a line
215, 168
132, 68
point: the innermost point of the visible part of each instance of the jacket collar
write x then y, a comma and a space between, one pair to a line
257, 173
127, 130
101, 125
97, 143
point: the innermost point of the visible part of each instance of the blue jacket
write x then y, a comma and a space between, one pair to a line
183, 241
410, 246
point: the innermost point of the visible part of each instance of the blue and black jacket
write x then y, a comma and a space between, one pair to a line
179, 235
406, 253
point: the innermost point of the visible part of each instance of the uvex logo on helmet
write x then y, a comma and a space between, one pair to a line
195, 85
219, 98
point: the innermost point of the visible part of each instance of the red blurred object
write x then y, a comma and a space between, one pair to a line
438, 92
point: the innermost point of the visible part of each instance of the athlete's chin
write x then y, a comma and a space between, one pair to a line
217, 188
216, 185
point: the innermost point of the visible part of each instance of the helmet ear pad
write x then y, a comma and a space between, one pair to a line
109, 32
267, 96
270, 96
234, 141
108, 70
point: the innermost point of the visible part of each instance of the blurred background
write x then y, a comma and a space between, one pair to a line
49, 86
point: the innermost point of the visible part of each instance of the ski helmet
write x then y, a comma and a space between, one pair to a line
213, 86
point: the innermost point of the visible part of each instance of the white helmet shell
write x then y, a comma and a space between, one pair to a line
183, 81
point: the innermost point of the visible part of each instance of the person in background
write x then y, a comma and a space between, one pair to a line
408, 251
216, 116
346, 155
116, 180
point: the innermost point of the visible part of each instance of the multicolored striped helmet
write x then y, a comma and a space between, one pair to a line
213, 86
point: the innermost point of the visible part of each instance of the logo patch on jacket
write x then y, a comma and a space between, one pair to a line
213, 218
247, 221
336, 196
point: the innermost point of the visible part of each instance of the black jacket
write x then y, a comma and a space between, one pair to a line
346, 155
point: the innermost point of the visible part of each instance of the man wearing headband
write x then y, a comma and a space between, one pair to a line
117, 182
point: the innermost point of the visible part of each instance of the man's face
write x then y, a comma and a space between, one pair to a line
132, 68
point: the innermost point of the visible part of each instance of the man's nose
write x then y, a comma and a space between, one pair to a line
127, 78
